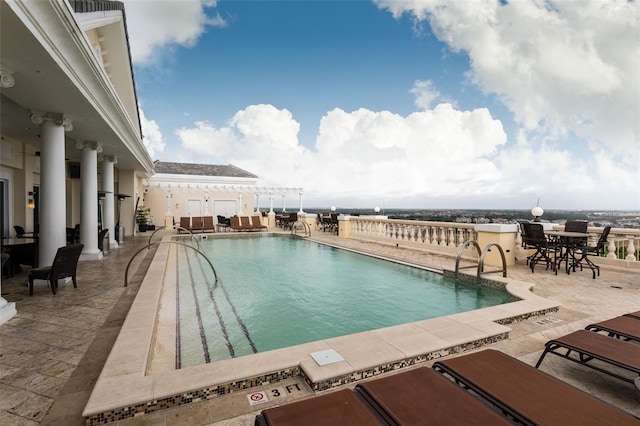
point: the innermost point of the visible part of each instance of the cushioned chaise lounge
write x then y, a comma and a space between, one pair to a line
633, 314
341, 408
584, 346
528, 395
424, 397
627, 328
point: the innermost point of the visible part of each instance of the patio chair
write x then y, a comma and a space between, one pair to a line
635, 315
341, 408
622, 327
256, 223
185, 223
21, 233
223, 222
64, 265
207, 224
535, 239
196, 224
422, 396
236, 225
584, 251
584, 346
528, 395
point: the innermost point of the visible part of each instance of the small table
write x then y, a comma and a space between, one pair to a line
21, 251
567, 243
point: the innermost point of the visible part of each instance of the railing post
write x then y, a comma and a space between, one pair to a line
631, 250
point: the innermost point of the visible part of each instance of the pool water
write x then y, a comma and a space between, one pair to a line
275, 291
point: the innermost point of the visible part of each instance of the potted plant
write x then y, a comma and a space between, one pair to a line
142, 218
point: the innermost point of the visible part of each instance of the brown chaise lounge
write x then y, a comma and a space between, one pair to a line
207, 224
415, 397
583, 346
341, 408
256, 223
185, 224
528, 395
424, 397
623, 327
633, 314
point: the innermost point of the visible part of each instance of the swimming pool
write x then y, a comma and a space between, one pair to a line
277, 291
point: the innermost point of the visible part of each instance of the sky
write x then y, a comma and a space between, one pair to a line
427, 104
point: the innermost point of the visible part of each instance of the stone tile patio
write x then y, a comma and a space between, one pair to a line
52, 352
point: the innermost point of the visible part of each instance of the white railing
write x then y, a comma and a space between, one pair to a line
623, 245
421, 233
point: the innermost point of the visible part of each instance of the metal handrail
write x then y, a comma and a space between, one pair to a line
126, 271
461, 251
486, 250
306, 226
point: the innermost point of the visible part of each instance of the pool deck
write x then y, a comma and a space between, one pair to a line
53, 351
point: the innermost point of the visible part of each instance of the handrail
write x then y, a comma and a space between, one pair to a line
461, 251
126, 271
178, 228
306, 226
154, 233
481, 263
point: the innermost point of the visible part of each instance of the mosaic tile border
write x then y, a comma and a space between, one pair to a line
396, 365
155, 405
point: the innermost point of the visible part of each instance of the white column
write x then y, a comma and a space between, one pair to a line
89, 201
271, 204
53, 219
300, 194
284, 209
257, 203
108, 220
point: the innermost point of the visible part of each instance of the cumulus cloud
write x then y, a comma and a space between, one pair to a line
168, 23
361, 154
571, 67
152, 136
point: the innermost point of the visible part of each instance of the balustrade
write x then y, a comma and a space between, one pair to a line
437, 234
622, 244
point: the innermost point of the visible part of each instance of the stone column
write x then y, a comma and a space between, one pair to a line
89, 200
53, 220
108, 220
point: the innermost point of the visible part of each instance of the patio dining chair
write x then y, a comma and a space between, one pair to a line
64, 265
535, 239
584, 251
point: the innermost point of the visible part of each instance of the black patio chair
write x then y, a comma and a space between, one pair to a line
21, 233
597, 250
64, 265
534, 238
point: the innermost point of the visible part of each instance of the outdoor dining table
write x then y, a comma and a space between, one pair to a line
567, 243
21, 251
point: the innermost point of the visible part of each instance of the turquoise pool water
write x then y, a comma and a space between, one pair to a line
275, 292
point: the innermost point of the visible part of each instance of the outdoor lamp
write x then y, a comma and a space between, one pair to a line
376, 209
537, 212
333, 208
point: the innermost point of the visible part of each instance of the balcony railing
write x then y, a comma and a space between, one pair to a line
623, 244
440, 236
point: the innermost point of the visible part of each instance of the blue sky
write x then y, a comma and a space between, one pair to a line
429, 104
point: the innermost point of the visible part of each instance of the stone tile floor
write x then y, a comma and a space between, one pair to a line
52, 351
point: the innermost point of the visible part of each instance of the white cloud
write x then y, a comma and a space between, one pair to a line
426, 94
569, 66
153, 139
361, 154
155, 24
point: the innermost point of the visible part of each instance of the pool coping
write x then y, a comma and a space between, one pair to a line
124, 390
